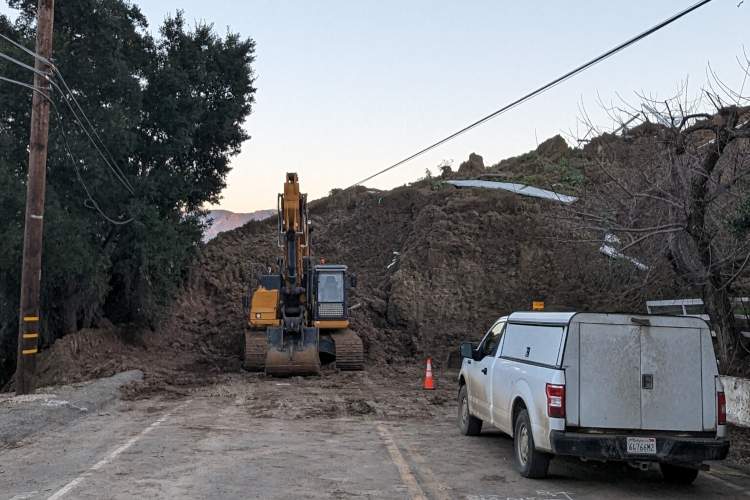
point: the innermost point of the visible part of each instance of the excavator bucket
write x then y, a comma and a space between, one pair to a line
292, 354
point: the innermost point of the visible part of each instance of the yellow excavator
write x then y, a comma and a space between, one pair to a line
299, 317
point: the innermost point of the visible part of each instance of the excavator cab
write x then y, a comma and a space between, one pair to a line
330, 296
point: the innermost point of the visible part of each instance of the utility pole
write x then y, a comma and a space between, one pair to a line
31, 274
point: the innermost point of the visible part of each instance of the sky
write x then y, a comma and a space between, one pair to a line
347, 88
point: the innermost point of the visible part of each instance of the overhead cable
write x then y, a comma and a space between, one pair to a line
115, 169
90, 202
546, 87
122, 175
113, 166
16, 82
28, 51
24, 65
93, 203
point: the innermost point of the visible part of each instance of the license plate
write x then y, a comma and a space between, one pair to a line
642, 446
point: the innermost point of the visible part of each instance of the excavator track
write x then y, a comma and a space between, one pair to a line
350, 354
256, 349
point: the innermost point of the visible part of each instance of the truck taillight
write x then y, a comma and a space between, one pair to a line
722, 420
556, 401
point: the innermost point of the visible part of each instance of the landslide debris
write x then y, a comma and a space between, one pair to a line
436, 266
472, 167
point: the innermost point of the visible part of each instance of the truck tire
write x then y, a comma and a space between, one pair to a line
530, 462
467, 423
675, 474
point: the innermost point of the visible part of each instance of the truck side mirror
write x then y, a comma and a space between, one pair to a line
353, 281
466, 350
246, 302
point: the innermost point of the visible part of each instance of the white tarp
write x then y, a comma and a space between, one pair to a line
517, 189
613, 253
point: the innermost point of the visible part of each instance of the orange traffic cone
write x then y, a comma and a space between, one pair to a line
428, 382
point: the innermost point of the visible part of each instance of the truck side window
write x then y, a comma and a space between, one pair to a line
493, 340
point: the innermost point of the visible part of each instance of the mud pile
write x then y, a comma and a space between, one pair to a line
436, 266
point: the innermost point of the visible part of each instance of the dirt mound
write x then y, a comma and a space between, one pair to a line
554, 148
472, 167
552, 165
171, 360
436, 266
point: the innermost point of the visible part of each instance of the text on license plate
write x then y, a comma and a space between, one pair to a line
642, 446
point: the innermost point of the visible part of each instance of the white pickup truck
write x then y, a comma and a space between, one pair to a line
634, 388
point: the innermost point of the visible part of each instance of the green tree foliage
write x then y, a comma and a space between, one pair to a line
169, 109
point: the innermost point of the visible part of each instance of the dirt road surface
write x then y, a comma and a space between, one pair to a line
368, 435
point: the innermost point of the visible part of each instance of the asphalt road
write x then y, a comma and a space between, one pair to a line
341, 437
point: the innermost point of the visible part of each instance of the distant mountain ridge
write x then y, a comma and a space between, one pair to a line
224, 220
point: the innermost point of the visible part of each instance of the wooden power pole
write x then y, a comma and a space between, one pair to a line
31, 274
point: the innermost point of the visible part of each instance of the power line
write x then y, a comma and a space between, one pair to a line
115, 170
94, 204
112, 166
90, 202
122, 175
24, 65
16, 82
546, 87
28, 51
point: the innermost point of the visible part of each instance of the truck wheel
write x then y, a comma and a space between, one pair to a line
678, 475
468, 423
530, 462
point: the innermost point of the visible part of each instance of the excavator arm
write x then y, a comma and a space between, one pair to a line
287, 308
293, 345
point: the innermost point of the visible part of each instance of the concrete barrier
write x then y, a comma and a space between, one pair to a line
737, 392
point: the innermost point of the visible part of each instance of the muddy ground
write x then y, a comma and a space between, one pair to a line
346, 435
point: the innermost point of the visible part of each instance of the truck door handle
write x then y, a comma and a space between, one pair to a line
484, 370
647, 382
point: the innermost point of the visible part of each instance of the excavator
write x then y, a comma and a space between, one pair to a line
299, 317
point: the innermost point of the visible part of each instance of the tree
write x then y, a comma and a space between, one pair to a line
169, 112
676, 192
